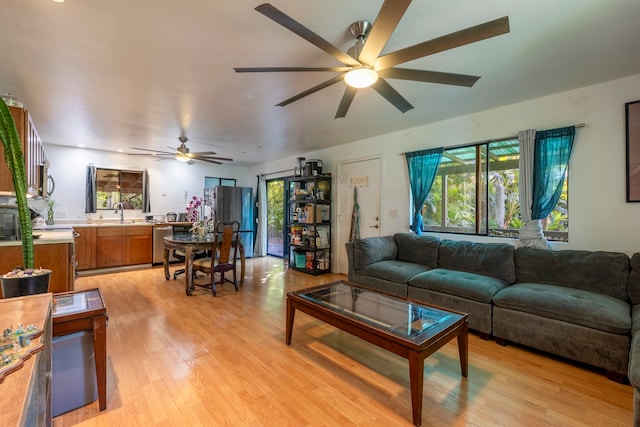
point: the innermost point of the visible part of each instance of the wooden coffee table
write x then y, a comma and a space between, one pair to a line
408, 328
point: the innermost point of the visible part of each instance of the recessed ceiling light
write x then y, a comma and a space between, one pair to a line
59, 1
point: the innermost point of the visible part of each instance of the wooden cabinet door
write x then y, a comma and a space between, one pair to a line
139, 249
32, 149
110, 247
139, 245
55, 257
85, 248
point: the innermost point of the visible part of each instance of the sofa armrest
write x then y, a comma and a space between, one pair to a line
370, 250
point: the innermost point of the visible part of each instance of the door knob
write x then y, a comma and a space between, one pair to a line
374, 226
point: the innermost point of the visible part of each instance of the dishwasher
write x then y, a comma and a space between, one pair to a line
159, 233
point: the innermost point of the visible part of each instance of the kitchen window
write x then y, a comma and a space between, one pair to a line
117, 188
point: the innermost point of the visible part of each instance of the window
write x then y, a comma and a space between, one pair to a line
114, 186
476, 192
210, 182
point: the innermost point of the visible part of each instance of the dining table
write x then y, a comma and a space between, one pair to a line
190, 243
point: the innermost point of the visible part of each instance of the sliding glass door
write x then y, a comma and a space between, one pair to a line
275, 217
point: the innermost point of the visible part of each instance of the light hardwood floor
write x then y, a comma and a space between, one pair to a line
193, 361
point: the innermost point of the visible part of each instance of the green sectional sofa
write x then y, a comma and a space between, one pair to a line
575, 304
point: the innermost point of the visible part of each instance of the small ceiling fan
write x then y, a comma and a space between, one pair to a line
363, 65
183, 154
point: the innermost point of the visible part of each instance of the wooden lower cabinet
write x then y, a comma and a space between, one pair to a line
85, 238
120, 246
57, 257
139, 248
110, 246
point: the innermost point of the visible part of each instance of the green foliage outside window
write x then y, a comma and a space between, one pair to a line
462, 192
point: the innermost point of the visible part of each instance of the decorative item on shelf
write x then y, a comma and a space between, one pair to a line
50, 206
14, 158
299, 168
11, 101
313, 167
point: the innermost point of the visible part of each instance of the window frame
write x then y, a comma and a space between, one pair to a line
120, 193
482, 205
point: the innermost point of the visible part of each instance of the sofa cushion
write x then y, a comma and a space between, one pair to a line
589, 309
635, 319
417, 249
392, 270
489, 259
633, 284
462, 284
373, 249
596, 271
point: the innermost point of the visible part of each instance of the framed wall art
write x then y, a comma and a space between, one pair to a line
632, 115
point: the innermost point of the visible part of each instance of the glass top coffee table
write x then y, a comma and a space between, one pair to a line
405, 327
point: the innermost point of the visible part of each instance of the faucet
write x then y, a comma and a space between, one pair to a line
121, 206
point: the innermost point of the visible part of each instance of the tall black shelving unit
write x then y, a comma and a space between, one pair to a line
309, 223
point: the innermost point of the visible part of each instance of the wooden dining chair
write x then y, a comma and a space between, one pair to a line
224, 254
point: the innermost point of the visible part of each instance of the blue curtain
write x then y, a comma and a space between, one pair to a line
551, 158
422, 166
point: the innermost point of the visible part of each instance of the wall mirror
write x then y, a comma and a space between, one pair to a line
115, 186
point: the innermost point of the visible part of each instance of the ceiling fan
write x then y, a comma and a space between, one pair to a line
363, 65
182, 154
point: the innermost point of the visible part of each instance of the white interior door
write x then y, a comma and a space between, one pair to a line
365, 174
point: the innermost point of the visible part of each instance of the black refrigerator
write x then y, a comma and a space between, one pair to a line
235, 204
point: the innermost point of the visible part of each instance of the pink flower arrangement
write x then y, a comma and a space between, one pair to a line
193, 209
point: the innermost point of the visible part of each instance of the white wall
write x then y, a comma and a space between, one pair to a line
599, 217
168, 180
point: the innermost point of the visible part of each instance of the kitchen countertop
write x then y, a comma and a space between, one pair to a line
46, 237
63, 233
110, 224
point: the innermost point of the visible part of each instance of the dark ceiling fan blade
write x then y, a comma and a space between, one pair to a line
152, 151
287, 69
429, 76
205, 153
390, 14
206, 160
289, 23
312, 90
459, 38
200, 157
345, 103
390, 94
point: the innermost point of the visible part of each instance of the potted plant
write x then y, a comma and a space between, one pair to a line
50, 205
25, 280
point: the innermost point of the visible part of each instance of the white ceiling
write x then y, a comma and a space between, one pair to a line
120, 73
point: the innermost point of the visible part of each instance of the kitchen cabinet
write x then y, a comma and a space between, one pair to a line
26, 393
36, 162
123, 245
309, 223
85, 248
139, 247
110, 244
57, 257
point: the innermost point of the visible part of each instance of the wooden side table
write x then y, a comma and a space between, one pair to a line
85, 311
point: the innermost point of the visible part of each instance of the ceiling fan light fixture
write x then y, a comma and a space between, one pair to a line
361, 77
183, 159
